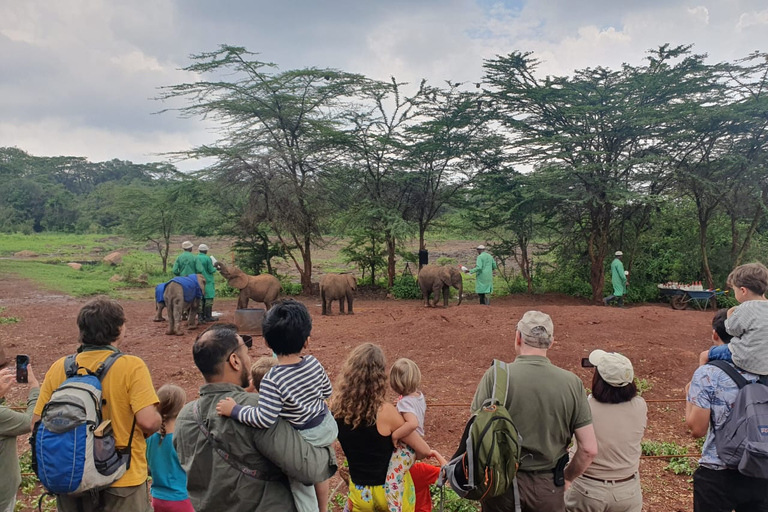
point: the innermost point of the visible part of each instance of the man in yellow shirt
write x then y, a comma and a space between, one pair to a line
128, 393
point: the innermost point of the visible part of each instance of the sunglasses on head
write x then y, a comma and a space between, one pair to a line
247, 341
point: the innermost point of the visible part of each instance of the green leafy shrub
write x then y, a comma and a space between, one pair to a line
445, 260
406, 287
643, 386
291, 288
726, 300
452, 501
677, 465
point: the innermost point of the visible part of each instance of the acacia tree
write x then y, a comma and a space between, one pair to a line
280, 129
601, 130
154, 213
449, 146
374, 177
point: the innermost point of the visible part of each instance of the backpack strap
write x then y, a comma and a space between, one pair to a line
70, 366
731, 372
105, 365
500, 382
227, 457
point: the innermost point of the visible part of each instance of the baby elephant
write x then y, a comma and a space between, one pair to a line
180, 295
337, 287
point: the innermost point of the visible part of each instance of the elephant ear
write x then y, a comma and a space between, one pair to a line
446, 276
201, 281
352, 280
238, 280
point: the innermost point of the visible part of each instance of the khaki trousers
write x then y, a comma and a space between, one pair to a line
538, 493
116, 499
587, 495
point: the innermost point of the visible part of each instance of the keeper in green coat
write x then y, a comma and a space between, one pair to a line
618, 280
205, 267
186, 262
484, 268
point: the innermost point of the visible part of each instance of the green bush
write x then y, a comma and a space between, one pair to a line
291, 288
406, 287
452, 501
445, 260
678, 465
726, 300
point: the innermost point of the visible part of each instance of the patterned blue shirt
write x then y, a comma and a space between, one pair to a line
711, 388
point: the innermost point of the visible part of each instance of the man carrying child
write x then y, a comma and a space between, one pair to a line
711, 394
231, 466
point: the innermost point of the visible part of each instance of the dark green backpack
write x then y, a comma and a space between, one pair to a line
486, 461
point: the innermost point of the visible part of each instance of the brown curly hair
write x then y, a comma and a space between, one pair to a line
361, 387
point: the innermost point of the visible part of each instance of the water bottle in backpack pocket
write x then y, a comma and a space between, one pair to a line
71, 454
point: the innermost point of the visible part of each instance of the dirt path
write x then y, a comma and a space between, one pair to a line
453, 348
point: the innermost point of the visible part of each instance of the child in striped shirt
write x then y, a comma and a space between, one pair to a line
295, 389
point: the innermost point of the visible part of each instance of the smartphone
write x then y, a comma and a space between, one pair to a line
585, 363
22, 361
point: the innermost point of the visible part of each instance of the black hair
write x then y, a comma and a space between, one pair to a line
212, 346
286, 327
718, 324
100, 321
607, 394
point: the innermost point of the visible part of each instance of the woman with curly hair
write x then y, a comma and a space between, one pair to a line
366, 422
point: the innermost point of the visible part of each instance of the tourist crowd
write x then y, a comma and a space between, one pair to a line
261, 435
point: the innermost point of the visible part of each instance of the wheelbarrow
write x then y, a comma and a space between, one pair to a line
699, 299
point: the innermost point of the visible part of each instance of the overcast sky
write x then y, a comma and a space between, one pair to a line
77, 76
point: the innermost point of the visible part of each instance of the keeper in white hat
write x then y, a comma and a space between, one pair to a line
186, 261
618, 280
484, 267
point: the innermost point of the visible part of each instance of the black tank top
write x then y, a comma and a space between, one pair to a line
367, 452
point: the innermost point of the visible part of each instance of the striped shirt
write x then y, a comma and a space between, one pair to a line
749, 327
294, 392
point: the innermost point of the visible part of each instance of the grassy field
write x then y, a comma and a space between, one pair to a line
54, 251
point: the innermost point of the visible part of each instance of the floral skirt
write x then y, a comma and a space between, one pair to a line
373, 498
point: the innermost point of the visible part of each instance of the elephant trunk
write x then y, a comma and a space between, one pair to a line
461, 293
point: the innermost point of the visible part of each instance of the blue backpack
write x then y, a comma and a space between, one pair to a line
71, 455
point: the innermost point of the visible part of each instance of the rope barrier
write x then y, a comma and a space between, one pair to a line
685, 455
650, 400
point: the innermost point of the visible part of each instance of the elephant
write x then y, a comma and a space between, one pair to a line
262, 288
434, 278
181, 295
337, 287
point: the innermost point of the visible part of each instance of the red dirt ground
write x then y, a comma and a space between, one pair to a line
453, 347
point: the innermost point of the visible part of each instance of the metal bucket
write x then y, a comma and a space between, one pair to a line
248, 321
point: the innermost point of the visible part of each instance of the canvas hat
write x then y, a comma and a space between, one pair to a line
618, 253
481, 247
186, 245
3, 358
533, 319
202, 247
614, 368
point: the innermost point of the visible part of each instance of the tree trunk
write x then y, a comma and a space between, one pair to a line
391, 244
306, 275
703, 226
597, 246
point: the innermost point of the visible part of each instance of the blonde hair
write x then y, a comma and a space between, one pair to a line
172, 399
361, 387
752, 276
260, 368
405, 376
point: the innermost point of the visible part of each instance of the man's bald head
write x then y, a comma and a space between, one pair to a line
212, 347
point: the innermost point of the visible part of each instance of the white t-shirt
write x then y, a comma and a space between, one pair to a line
415, 404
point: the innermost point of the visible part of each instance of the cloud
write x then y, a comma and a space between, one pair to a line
77, 76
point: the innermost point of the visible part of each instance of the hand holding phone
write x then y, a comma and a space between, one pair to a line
22, 362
